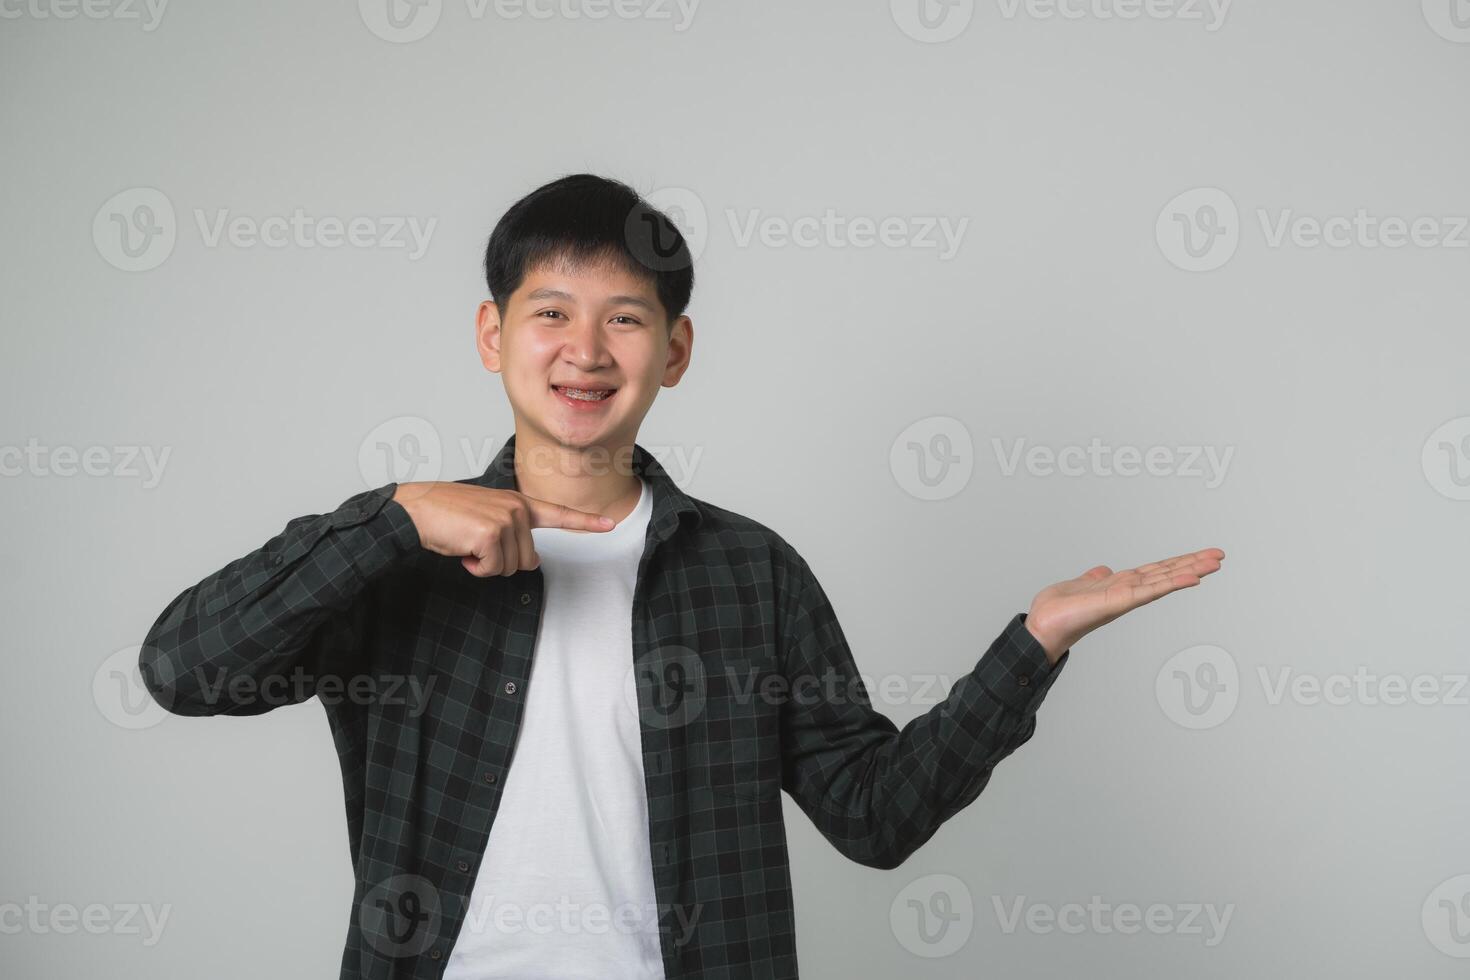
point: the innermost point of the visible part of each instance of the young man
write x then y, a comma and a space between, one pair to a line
566, 694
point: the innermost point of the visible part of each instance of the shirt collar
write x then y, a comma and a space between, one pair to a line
670, 504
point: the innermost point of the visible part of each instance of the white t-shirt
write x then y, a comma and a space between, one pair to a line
565, 890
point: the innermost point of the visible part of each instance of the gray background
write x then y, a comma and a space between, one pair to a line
1336, 833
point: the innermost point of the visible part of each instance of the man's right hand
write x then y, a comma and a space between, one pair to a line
489, 531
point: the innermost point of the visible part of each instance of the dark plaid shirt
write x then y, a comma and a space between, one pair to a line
745, 684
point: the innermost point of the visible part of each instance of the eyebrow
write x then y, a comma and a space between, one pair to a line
546, 292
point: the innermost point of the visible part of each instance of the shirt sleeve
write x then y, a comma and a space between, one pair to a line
875, 792
263, 630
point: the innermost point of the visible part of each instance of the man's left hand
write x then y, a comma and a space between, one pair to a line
1064, 613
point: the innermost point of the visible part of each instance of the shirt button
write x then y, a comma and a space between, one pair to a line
525, 598
490, 777
435, 954
277, 559
1023, 681
463, 866
510, 687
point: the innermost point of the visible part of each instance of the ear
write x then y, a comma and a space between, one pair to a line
681, 348
487, 335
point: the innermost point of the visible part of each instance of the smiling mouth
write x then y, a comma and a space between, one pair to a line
585, 394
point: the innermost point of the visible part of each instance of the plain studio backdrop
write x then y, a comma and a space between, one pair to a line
987, 293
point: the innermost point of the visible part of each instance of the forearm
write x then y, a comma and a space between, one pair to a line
878, 793
251, 624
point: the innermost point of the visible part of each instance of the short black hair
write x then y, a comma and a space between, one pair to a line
587, 218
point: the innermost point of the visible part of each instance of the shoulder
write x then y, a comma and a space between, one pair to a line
748, 541
723, 524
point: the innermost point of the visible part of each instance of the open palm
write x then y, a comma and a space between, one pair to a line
1064, 613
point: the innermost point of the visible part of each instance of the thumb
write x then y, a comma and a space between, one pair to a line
475, 565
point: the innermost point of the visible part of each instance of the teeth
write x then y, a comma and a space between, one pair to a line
584, 394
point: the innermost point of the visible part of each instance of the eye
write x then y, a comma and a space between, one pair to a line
550, 313
624, 316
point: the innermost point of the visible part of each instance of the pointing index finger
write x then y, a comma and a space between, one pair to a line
544, 513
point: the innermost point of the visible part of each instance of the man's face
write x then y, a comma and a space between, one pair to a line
583, 326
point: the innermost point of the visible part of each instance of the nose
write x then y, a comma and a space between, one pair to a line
585, 346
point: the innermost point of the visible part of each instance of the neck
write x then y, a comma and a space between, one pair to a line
598, 479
